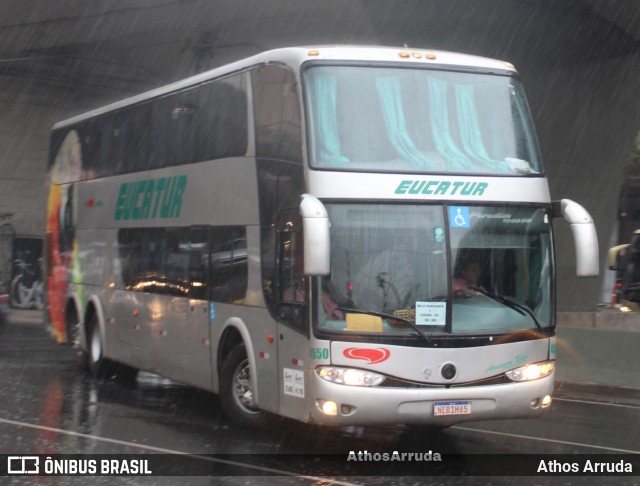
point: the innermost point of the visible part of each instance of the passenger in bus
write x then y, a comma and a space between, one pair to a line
297, 293
294, 293
293, 301
329, 305
467, 280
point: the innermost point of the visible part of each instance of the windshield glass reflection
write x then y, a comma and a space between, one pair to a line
399, 269
417, 120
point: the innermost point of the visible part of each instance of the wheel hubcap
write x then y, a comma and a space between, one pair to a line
242, 388
96, 346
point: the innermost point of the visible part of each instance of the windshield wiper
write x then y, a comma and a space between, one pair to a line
519, 308
385, 316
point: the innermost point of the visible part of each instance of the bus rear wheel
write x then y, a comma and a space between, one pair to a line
97, 364
236, 394
101, 367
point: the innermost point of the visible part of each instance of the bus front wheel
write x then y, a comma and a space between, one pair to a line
236, 394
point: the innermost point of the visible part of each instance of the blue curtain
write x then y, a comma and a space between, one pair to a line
470, 133
458, 161
394, 120
326, 126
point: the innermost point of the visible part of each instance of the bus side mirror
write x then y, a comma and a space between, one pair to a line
616, 256
315, 227
584, 236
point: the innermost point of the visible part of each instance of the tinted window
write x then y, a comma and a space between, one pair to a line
188, 262
220, 119
154, 260
292, 284
136, 139
277, 114
203, 123
229, 264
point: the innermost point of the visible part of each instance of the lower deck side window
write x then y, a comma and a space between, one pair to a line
208, 263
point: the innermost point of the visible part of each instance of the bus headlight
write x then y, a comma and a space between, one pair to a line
532, 371
349, 376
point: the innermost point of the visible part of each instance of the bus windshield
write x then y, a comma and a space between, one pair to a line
382, 119
433, 269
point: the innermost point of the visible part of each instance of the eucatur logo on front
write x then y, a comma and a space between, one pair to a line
442, 188
370, 355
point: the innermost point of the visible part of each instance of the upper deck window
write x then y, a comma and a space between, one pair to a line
389, 119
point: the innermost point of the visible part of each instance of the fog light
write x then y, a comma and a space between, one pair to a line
328, 407
346, 409
543, 402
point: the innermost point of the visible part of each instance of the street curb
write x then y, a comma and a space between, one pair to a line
605, 318
597, 392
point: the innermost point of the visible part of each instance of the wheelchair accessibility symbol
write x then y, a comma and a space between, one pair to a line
459, 217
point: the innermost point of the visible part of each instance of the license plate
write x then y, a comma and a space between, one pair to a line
452, 408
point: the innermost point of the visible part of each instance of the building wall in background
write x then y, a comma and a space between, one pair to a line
581, 73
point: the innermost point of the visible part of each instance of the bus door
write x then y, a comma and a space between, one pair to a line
293, 316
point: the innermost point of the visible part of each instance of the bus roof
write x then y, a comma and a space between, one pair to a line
296, 56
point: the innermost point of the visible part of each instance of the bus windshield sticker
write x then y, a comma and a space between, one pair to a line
459, 217
431, 313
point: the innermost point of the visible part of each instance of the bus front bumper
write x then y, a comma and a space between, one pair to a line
356, 405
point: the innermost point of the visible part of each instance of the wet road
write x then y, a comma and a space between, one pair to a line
49, 406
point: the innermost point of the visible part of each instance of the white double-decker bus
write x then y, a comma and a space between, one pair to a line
339, 235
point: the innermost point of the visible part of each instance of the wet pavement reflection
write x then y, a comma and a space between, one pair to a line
49, 406
43, 384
